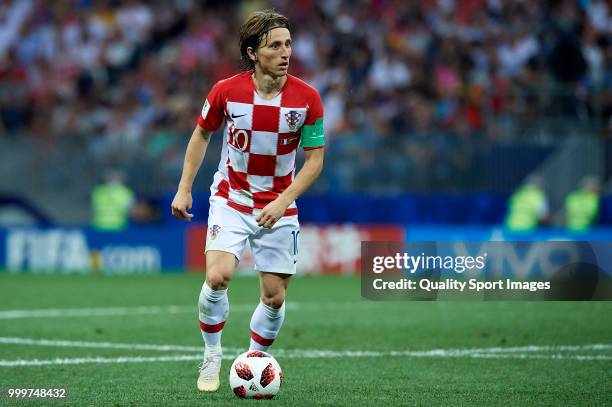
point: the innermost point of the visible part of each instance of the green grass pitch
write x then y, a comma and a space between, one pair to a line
334, 348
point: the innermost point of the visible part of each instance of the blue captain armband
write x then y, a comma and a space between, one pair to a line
312, 136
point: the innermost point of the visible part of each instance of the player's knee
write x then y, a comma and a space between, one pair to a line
274, 300
217, 279
219, 271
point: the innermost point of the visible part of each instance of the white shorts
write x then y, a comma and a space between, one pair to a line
274, 250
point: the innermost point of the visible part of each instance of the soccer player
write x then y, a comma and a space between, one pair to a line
268, 114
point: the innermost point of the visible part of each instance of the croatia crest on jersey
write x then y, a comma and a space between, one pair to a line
214, 231
293, 119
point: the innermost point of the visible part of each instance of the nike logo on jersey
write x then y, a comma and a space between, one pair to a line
235, 116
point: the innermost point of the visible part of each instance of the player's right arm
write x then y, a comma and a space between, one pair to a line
209, 120
196, 149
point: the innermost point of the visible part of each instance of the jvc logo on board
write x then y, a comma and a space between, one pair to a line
523, 259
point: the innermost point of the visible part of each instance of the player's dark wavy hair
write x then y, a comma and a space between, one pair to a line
253, 30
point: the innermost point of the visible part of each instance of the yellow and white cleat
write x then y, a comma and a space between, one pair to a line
208, 380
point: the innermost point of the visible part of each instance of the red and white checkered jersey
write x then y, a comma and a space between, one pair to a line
261, 137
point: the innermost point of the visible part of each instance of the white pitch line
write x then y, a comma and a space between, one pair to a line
536, 356
171, 309
305, 353
320, 354
96, 360
438, 353
97, 345
541, 348
94, 312
8, 340
489, 353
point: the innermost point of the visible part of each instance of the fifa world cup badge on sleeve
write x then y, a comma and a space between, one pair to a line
205, 109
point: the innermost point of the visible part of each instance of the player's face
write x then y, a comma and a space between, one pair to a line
274, 52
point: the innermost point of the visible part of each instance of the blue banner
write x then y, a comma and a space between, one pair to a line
154, 249
498, 233
82, 250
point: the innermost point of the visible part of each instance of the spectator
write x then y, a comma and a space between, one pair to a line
484, 72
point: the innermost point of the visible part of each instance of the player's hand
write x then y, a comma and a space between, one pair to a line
271, 213
181, 204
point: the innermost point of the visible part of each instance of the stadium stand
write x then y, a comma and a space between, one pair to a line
449, 93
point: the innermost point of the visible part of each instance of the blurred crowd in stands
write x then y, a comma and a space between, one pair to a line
423, 83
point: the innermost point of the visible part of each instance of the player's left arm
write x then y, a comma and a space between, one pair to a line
313, 165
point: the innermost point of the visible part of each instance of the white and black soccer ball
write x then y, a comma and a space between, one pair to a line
255, 374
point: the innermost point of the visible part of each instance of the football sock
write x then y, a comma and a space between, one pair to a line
213, 311
265, 324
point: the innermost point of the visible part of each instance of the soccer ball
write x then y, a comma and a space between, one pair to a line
255, 374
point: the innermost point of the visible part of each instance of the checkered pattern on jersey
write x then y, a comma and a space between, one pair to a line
262, 138
262, 142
